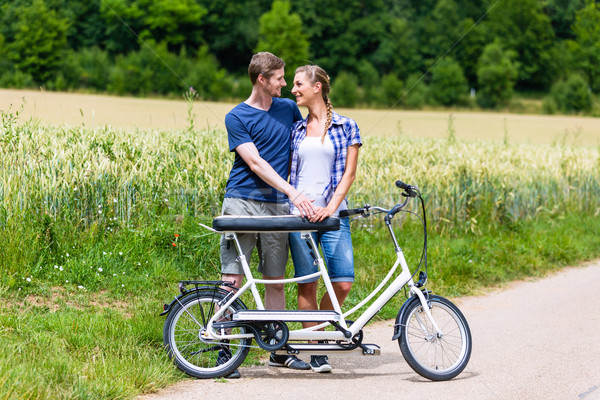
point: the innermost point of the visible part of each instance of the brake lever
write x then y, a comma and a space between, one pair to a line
361, 216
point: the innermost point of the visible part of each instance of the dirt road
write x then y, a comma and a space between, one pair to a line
533, 340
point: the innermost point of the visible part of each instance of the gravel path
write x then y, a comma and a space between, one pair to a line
536, 339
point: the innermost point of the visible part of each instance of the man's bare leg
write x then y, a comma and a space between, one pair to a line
274, 294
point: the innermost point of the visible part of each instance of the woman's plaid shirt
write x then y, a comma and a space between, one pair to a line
343, 132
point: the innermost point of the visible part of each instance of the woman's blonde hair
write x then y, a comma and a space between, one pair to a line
317, 74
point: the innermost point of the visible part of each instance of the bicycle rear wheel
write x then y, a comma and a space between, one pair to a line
436, 357
189, 350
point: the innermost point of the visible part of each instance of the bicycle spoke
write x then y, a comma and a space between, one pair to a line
184, 336
435, 355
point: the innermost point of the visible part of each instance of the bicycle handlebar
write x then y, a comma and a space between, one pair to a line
352, 211
402, 185
409, 191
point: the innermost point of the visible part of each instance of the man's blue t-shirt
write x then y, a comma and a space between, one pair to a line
270, 131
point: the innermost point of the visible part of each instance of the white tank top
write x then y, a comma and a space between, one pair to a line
315, 164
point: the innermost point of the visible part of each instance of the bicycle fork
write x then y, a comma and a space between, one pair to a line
427, 309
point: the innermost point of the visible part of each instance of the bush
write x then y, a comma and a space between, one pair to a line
86, 68
241, 87
416, 91
496, 77
344, 90
392, 90
549, 105
130, 75
210, 81
147, 71
369, 80
572, 95
448, 84
15, 78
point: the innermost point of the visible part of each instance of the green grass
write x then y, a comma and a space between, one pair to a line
105, 341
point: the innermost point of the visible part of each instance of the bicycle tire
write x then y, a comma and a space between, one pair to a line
435, 358
190, 353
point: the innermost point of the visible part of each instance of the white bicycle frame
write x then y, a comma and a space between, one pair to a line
313, 333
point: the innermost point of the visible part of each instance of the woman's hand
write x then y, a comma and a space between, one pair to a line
320, 214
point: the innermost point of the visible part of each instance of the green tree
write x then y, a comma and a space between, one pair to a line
344, 90
87, 29
86, 68
496, 76
39, 40
368, 79
151, 70
562, 15
341, 35
440, 30
586, 46
175, 23
470, 48
448, 84
121, 17
281, 33
210, 80
398, 51
392, 90
172, 22
416, 91
2, 48
230, 30
522, 27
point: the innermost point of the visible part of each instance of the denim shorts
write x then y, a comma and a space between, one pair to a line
336, 247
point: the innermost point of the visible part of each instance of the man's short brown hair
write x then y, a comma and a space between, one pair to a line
264, 64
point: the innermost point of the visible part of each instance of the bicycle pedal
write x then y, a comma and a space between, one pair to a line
370, 349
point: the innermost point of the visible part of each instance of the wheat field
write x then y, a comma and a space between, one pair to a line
95, 175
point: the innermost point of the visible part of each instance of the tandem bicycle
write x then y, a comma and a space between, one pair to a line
209, 330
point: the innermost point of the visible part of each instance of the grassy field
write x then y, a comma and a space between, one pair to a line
97, 111
99, 223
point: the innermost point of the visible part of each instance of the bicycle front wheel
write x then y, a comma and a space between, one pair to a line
193, 353
438, 357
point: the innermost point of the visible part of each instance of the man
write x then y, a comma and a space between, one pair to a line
259, 133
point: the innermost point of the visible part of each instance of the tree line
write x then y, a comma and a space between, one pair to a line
403, 53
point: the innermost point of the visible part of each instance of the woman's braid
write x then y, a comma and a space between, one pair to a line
329, 117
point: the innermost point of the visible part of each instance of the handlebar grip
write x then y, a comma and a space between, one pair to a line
351, 211
402, 185
409, 190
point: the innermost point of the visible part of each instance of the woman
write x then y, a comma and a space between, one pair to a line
324, 158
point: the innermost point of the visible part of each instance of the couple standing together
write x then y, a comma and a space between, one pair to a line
319, 153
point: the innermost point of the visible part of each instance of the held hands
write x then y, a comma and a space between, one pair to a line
320, 214
308, 210
303, 204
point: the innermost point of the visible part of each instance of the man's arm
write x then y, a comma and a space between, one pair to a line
263, 169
